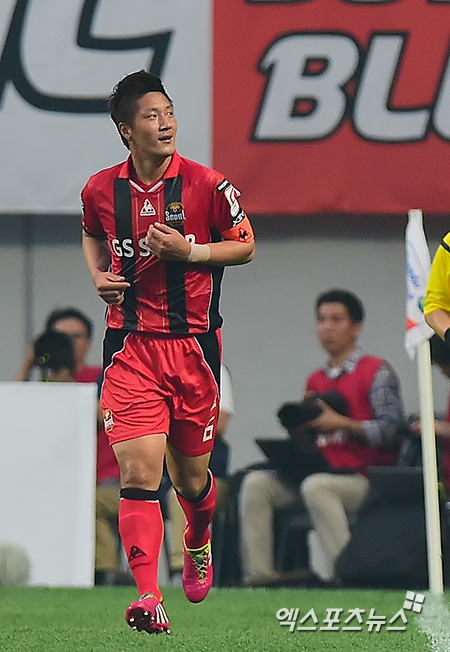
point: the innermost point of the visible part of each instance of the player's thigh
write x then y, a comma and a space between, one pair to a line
133, 400
141, 461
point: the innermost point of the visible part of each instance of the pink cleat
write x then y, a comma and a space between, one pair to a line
197, 577
148, 615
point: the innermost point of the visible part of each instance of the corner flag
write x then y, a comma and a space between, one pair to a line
418, 265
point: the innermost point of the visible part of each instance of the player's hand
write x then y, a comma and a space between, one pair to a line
110, 287
167, 243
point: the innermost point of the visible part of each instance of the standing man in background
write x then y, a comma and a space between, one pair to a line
158, 230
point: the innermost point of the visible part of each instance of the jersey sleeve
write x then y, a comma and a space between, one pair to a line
228, 216
437, 295
90, 219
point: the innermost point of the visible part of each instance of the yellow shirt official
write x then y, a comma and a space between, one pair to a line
437, 295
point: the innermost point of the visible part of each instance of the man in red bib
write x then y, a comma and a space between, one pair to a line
351, 443
158, 231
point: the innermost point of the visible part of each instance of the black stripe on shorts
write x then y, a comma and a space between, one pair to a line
209, 344
113, 342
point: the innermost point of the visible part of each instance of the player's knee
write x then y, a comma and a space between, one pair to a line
140, 475
190, 476
191, 486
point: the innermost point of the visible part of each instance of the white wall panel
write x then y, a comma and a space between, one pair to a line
47, 478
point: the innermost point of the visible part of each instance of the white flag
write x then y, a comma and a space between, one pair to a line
418, 265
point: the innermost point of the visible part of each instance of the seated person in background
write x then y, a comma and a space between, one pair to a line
54, 357
349, 443
218, 464
74, 324
79, 328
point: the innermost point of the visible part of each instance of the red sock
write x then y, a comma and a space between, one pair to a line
199, 515
141, 529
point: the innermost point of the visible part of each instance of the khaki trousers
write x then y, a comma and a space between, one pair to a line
106, 538
330, 500
261, 493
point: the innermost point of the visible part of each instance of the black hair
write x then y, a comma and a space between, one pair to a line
69, 313
125, 94
54, 351
353, 303
440, 350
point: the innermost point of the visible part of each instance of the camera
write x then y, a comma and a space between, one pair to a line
295, 416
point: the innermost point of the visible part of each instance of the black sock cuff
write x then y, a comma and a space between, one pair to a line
139, 494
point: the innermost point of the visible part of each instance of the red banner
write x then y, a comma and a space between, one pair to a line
333, 105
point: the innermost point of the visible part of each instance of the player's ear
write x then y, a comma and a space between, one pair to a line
124, 130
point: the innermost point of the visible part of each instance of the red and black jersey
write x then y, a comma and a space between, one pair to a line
166, 297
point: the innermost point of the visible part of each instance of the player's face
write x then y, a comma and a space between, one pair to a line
336, 331
152, 134
78, 333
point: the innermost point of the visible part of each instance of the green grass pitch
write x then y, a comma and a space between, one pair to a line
74, 620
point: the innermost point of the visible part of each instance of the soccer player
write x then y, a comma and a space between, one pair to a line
157, 231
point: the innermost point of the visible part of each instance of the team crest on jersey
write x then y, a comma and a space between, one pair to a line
147, 208
108, 420
174, 214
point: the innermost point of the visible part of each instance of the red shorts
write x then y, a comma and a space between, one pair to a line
165, 385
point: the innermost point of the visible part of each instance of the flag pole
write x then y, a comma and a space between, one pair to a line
417, 345
430, 476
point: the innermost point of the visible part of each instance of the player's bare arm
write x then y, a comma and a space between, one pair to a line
439, 320
110, 287
168, 244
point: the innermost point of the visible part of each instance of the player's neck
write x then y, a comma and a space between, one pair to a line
150, 170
